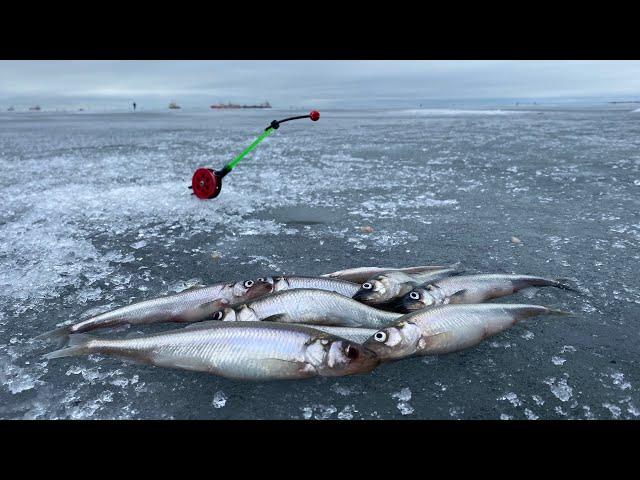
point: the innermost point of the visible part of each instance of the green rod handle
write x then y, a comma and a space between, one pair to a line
229, 166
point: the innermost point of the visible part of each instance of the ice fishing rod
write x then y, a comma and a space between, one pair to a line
206, 183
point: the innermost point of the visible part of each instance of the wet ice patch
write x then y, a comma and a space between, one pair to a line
528, 335
505, 345
560, 411
537, 399
619, 381
456, 412
318, 412
95, 374
17, 379
512, 398
346, 413
633, 410
138, 245
613, 409
182, 285
88, 409
342, 390
403, 397
588, 414
219, 399
560, 389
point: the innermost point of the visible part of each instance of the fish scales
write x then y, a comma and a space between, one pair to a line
448, 328
243, 350
309, 306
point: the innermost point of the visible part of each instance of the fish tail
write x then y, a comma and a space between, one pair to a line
561, 313
78, 345
55, 336
564, 284
529, 282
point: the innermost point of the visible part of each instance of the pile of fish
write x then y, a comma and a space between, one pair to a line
291, 327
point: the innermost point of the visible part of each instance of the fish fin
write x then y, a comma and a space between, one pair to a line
201, 312
59, 335
421, 269
434, 335
214, 304
196, 286
457, 272
77, 345
434, 276
205, 324
458, 297
278, 317
431, 340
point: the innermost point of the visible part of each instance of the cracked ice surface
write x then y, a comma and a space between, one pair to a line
95, 214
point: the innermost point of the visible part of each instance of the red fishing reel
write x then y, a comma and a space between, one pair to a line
206, 183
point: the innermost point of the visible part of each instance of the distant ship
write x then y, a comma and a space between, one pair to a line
225, 106
174, 106
35, 109
10, 109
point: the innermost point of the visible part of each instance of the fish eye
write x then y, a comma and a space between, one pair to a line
261, 279
351, 352
367, 286
415, 295
248, 283
217, 315
380, 336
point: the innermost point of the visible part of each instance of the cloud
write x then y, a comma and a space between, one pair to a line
339, 83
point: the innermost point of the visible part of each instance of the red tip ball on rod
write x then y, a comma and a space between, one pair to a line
314, 115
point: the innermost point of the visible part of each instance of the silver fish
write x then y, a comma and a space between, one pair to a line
387, 287
311, 306
242, 351
472, 289
448, 328
192, 305
362, 274
354, 334
343, 287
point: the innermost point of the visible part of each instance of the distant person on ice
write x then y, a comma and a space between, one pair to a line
134, 106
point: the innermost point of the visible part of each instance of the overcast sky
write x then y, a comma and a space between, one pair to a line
152, 84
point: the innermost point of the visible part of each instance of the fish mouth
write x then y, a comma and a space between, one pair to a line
367, 362
364, 296
410, 306
260, 288
379, 350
